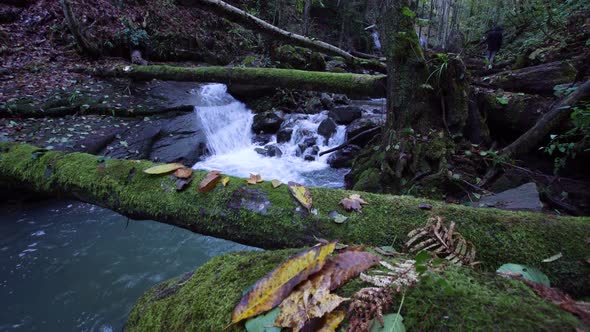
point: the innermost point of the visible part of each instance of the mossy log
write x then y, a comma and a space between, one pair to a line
352, 84
473, 301
271, 218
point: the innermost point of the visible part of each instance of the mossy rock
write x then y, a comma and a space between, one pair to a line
459, 299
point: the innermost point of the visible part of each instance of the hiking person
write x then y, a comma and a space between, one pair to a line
494, 41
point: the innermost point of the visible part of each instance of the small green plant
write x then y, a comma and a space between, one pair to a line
568, 145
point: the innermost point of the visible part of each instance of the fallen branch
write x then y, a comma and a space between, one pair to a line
548, 123
366, 132
353, 84
263, 216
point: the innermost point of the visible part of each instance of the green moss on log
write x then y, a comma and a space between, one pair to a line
470, 301
353, 84
270, 218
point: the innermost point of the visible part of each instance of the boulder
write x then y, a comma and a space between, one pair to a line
284, 135
313, 105
344, 157
327, 101
267, 123
363, 124
262, 139
270, 151
344, 115
327, 128
523, 198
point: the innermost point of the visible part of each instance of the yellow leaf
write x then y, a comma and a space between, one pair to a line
163, 169
225, 181
210, 181
183, 173
254, 179
301, 193
310, 300
332, 321
275, 183
269, 291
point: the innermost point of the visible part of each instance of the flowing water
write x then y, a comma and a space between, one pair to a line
227, 124
68, 266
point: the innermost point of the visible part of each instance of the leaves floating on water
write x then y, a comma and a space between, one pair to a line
301, 194
163, 169
270, 291
353, 202
254, 179
225, 181
183, 173
276, 183
210, 181
444, 242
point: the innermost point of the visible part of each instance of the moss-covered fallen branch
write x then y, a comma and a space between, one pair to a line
270, 218
352, 84
470, 301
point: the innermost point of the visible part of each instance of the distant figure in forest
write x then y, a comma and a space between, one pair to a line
494, 41
375, 37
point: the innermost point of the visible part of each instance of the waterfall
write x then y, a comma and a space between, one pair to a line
227, 125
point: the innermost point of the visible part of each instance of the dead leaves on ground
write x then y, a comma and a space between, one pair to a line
444, 242
163, 169
353, 202
254, 179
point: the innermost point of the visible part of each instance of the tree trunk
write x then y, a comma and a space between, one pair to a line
353, 84
262, 216
86, 46
306, 17
239, 16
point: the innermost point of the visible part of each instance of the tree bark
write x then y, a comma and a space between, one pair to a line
86, 46
262, 216
549, 122
239, 16
353, 84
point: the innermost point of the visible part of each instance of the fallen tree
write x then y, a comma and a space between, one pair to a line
241, 17
352, 84
204, 299
270, 218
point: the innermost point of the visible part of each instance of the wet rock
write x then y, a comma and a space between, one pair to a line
313, 106
309, 142
284, 135
309, 158
267, 123
262, 139
327, 128
340, 99
346, 114
327, 101
315, 150
344, 157
270, 151
523, 198
361, 125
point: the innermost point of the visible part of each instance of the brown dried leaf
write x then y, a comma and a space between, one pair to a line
183, 173
445, 242
312, 299
557, 297
367, 304
269, 291
254, 179
353, 202
348, 265
210, 181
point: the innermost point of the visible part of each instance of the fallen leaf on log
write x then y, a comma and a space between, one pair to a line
553, 258
272, 289
310, 300
332, 320
555, 296
275, 183
301, 193
210, 181
254, 179
225, 181
183, 173
353, 202
163, 169
526, 272
348, 265
264, 323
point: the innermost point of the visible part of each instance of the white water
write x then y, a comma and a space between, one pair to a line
227, 125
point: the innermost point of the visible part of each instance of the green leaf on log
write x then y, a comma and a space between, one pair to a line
264, 323
527, 272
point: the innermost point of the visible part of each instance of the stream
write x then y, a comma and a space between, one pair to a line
70, 266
